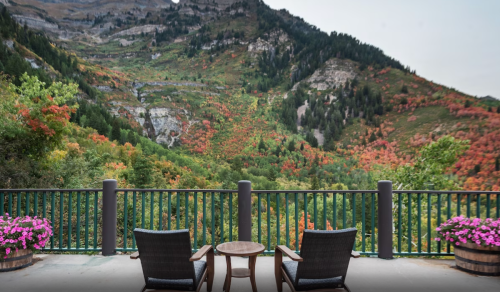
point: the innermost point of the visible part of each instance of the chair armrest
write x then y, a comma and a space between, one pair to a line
292, 255
202, 252
135, 255
355, 254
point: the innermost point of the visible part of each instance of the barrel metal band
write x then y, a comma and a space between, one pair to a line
18, 258
478, 273
477, 250
477, 262
16, 268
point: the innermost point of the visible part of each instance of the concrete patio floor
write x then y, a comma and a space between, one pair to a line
119, 273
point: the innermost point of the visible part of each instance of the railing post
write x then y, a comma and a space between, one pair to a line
244, 210
109, 217
385, 219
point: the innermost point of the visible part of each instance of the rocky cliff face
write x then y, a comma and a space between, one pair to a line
140, 29
166, 125
162, 124
221, 4
273, 39
36, 23
335, 73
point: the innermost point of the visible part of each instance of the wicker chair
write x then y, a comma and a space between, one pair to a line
167, 262
322, 264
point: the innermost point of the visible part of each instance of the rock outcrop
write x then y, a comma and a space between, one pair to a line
36, 23
140, 29
276, 37
335, 73
165, 122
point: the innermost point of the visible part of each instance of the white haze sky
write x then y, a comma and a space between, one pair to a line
451, 42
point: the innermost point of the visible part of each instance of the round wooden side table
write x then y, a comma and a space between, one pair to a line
240, 249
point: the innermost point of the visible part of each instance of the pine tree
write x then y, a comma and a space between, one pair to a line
262, 145
301, 146
372, 138
498, 110
497, 164
142, 172
115, 131
291, 146
277, 151
237, 165
272, 174
314, 142
131, 138
314, 182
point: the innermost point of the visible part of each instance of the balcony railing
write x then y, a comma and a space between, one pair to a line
388, 222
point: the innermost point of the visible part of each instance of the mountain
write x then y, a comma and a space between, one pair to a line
233, 89
489, 97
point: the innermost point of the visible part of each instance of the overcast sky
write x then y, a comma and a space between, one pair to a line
452, 42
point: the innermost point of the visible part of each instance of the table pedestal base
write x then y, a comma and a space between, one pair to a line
240, 273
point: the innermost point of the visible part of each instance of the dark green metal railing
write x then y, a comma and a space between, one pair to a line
74, 215
278, 217
419, 213
324, 210
208, 214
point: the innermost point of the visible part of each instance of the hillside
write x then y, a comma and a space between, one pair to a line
210, 92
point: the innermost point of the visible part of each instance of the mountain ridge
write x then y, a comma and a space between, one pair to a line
214, 83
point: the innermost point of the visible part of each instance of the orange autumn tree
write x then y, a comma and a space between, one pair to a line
37, 114
310, 225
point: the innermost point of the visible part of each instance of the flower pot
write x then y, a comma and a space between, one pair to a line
16, 260
477, 259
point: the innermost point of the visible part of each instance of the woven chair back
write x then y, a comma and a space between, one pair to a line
326, 254
165, 254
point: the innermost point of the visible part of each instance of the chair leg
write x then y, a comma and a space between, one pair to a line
347, 288
210, 281
210, 270
278, 261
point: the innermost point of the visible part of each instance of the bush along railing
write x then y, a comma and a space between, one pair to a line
75, 215
389, 222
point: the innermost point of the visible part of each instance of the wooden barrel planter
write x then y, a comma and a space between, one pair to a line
479, 260
17, 260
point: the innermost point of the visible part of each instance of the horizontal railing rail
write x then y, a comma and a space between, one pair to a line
275, 217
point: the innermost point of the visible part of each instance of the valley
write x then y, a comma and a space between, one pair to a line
204, 93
